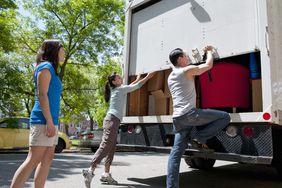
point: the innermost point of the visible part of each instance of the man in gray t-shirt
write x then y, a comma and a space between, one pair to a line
185, 114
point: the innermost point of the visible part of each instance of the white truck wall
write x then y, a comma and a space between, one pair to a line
234, 27
190, 24
274, 8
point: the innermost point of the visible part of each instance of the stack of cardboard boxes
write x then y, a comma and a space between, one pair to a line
159, 98
256, 95
153, 98
138, 100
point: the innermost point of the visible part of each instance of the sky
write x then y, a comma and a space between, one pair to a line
25, 12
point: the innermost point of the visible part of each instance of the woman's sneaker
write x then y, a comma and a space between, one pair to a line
88, 176
108, 179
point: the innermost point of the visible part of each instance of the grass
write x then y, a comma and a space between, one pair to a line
75, 142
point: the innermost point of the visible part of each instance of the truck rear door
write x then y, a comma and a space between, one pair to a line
157, 27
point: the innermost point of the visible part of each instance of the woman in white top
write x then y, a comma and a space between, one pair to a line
115, 93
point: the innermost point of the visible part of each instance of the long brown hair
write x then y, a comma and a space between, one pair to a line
49, 51
109, 84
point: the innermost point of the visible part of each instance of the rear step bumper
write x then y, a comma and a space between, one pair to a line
195, 153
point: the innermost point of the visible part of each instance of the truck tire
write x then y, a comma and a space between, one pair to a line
278, 168
60, 146
277, 150
190, 162
199, 163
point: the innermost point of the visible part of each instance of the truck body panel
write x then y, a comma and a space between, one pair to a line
190, 24
274, 50
151, 35
244, 32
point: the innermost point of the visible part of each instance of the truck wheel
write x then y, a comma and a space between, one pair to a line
278, 168
60, 146
190, 162
199, 163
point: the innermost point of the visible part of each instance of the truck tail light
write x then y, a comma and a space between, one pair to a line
130, 129
266, 116
90, 136
248, 131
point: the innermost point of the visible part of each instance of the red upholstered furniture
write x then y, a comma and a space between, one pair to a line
230, 86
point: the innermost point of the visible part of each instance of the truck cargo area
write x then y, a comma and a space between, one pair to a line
233, 85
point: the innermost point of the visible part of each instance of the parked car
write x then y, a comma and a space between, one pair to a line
14, 134
92, 139
73, 137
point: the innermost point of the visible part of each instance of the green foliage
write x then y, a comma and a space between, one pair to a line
91, 32
90, 29
7, 4
8, 23
12, 89
76, 93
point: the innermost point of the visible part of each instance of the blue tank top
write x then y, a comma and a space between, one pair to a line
54, 93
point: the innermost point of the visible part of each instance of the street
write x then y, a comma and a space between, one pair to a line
138, 170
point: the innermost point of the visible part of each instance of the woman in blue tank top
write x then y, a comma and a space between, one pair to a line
44, 115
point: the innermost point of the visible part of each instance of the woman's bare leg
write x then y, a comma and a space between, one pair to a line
42, 169
34, 157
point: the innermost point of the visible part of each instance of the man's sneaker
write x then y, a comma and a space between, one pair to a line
196, 145
88, 176
108, 179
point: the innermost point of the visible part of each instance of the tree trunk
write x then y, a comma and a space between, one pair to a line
91, 123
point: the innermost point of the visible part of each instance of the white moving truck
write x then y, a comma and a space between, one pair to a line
246, 79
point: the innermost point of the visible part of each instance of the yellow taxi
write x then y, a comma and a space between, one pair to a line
14, 134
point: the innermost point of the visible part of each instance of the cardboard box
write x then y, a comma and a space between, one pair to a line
156, 82
257, 95
138, 100
170, 112
166, 89
160, 102
151, 106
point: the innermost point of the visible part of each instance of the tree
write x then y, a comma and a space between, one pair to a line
11, 91
17, 68
7, 4
91, 31
12, 77
7, 24
88, 28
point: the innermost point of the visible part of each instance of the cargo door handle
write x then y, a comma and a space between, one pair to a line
266, 40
